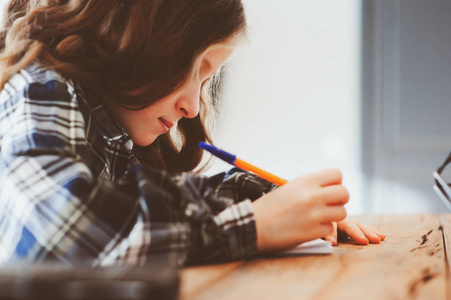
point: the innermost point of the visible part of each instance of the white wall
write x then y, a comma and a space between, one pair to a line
2, 4
290, 95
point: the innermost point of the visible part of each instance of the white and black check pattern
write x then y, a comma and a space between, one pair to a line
72, 190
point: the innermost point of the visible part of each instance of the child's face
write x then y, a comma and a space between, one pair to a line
145, 125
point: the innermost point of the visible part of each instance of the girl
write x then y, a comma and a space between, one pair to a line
102, 106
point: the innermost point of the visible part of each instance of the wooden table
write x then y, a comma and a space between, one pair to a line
410, 264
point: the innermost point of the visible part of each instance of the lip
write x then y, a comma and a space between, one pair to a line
165, 124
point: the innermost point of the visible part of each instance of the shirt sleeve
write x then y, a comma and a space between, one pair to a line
53, 208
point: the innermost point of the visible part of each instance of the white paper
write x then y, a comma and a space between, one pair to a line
318, 246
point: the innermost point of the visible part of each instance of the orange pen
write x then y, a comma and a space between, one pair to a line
232, 159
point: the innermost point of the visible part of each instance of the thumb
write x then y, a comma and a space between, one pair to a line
332, 237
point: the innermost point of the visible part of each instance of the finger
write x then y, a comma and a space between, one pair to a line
327, 177
369, 233
325, 229
381, 235
354, 232
335, 195
332, 214
333, 236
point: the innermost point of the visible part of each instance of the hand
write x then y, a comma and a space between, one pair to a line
362, 234
300, 211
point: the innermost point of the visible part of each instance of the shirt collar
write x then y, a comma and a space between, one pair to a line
110, 129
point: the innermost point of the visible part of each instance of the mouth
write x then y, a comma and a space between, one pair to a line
165, 124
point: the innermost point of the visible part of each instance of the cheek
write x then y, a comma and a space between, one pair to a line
147, 114
135, 122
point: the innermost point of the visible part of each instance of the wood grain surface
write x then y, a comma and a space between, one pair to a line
410, 264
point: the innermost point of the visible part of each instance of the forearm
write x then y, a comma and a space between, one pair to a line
217, 231
149, 217
234, 236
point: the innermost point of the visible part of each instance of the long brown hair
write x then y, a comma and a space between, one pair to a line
112, 47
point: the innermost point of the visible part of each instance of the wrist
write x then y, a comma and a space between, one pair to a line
259, 225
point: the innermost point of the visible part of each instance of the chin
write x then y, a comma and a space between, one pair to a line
144, 142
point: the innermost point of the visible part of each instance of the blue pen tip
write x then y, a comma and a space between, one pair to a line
225, 156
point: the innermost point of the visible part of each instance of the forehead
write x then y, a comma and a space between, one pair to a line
214, 56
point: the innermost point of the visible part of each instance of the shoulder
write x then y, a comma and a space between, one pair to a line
38, 108
37, 83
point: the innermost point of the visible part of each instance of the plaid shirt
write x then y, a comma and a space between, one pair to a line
72, 189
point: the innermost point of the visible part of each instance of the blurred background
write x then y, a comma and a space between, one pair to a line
359, 85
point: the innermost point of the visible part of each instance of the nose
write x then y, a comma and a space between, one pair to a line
188, 103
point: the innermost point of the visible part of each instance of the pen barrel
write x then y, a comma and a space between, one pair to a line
261, 173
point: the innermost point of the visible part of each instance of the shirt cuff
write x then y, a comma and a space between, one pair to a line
239, 223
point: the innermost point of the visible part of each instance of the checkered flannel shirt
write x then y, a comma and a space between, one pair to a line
72, 190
